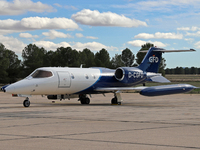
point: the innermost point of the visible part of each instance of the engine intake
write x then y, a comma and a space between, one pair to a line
129, 75
119, 74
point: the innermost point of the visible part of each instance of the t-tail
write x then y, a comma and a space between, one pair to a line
152, 59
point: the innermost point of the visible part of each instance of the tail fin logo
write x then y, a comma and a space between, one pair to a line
153, 59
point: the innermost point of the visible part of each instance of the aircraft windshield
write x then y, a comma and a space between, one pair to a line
42, 74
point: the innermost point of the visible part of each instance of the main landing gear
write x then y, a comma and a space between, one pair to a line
26, 102
117, 100
84, 99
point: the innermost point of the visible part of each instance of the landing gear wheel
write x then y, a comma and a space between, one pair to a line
85, 100
114, 101
26, 103
119, 103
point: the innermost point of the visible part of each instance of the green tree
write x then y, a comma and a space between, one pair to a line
66, 57
117, 61
162, 66
187, 70
140, 56
33, 57
49, 59
102, 58
193, 70
127, 57
9, 64
87, 58
179, 70
14, 67
4, 63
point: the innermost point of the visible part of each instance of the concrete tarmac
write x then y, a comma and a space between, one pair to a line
144, 123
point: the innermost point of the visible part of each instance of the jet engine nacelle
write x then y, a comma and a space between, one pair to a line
129, 75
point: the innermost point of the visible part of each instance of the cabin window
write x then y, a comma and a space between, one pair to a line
72, 76
42, 74
86, 76
93, 76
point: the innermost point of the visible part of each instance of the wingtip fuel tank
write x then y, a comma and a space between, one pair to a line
167, 89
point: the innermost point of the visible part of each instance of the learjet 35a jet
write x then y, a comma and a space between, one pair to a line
65, 83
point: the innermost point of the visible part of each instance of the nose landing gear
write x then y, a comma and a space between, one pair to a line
26, 102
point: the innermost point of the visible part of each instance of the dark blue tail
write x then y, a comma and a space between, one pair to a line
152, 59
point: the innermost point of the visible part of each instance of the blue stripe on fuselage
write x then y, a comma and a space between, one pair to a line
106, 79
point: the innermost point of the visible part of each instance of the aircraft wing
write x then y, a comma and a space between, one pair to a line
152, 91
120, 89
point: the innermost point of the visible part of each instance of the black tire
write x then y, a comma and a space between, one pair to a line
26, 103
85, 101
82, 100
114, 101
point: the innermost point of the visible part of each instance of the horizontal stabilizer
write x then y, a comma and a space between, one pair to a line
159, 79
166, 51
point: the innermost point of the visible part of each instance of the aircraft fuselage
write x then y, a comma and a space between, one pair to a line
64, 80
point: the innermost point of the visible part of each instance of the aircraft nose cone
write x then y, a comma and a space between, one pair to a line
9, 89
3, 88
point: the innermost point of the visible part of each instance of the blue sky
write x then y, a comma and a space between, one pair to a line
113, 25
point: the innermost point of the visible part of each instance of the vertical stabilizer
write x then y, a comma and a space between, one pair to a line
152, 59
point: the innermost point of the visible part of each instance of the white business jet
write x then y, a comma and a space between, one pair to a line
65, 83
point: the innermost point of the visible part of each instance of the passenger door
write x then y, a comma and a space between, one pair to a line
64, 79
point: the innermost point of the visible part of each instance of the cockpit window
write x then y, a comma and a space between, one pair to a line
41, 74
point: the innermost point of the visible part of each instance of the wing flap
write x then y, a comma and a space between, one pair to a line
120, 89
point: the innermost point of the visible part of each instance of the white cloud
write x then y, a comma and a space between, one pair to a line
12, 43
80, 35
48, 23
17, 7
48, 45
37, 23
193, 34
144, 36
159, 35
189, 39
70, 7
184, 28
193, 28
66, 6
91, 37
197, 45
139, 43
93, 46
95, 18
58, 5
52, 34
27, 35
161, 5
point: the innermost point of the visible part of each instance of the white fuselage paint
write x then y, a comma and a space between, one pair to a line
64, 81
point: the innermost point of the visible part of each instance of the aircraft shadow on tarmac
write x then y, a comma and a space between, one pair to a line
134, 104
